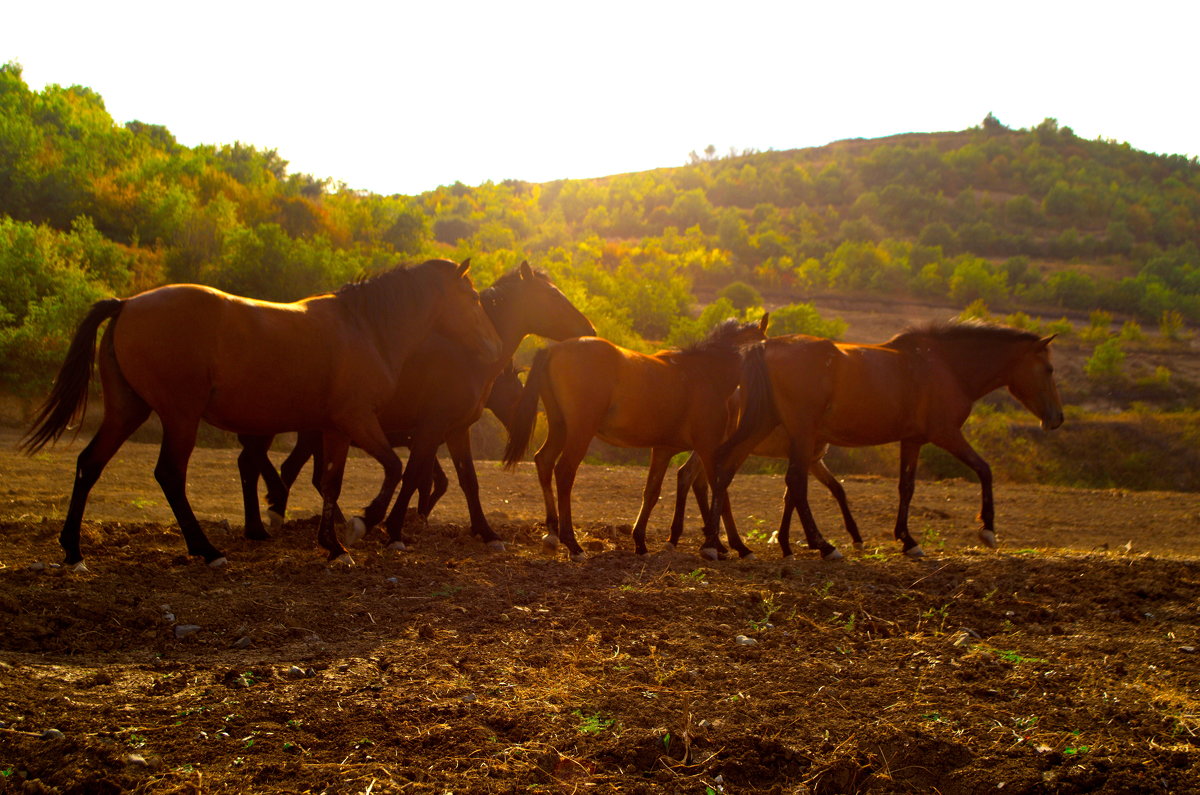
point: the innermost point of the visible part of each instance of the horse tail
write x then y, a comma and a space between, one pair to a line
67, 401
520, 428
758, 405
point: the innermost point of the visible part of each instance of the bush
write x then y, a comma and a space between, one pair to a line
804, 319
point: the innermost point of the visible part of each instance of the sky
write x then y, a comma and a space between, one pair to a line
393, 96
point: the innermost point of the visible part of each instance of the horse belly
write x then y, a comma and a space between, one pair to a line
854, 425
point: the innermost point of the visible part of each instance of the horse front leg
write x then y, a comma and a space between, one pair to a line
961, 449
420, 463
910, 451
253, 461
334, 447
545, 460
796, 496
687, 477
375, 444
660, 458
459, 444
436, 488
564, 479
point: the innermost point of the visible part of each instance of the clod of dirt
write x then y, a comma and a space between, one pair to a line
53, 734
743, 640
183, 630
242, 642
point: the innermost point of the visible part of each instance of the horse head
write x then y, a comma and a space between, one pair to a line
461, 316
1031, 381
525, 301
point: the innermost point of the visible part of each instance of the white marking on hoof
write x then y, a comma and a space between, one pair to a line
774, 539
833, 554
859, 546
496, 546
988, 537
356, 530
342, 560
398, 546
217, 563
275, 519
550, 541
915, 552
708, 553
82, 567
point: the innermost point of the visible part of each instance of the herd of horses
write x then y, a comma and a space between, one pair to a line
411, 357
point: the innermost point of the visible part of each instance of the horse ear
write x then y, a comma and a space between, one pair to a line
1045, 341
464, 267
762, 324
526, 271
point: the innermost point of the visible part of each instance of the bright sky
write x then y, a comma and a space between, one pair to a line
394, 96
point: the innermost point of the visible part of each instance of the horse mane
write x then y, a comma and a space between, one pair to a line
723, 338
973, 332
492, 294
379, 300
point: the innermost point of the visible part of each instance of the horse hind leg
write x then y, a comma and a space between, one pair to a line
179, 439
660, 459
122, 416
545, 460
253, 462
827, 479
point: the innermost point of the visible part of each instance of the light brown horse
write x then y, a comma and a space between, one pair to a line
917, 388
192, 353
443, 389
670, 401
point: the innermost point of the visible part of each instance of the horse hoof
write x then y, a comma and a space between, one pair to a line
915, 552
579, 556
217, 563
708, 553
859, 546
669, 547
496, 546
398, 546
342, 560
749, 556
80, 567
833, 554
356, 530
988, 537
275, 519
549, 541
790, 556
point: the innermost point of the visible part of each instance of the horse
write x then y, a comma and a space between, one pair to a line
442, 393
670, 401
189, 353
918, 387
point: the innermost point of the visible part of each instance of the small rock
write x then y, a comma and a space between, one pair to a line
183, 630
169, 618
52, 734
136, 759
393, 579
743, 640
295, 672
242, 642
469, 697
38, 566
962, 639
1188, 649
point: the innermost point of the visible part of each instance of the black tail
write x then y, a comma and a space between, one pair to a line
758, 408
520, 429
67, 401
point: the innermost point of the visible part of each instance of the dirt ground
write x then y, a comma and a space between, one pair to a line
1069, 661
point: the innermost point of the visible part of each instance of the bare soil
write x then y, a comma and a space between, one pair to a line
1065, 662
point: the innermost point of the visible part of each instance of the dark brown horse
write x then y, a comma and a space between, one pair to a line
917, 388
192, 353
443, 390
670, 401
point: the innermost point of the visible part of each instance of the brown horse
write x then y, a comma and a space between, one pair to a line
442, 392
670, 401
916, 388
192, 353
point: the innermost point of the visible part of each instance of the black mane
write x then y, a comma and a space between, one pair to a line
722, 338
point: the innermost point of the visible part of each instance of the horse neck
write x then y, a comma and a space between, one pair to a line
722, 369
394, 329
979, 370
506, 320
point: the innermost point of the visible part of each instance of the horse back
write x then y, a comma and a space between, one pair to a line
245, 365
